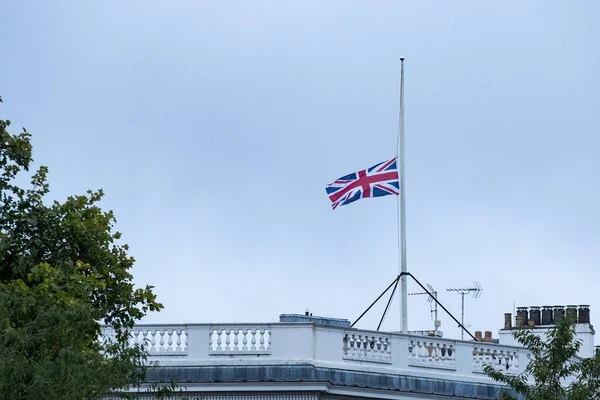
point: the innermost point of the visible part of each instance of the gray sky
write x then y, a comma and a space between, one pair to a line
213, 128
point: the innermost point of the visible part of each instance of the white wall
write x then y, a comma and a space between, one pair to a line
584, 332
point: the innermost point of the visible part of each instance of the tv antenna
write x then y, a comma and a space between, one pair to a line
432, 305
475, 291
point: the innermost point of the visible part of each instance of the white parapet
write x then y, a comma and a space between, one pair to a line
337, 347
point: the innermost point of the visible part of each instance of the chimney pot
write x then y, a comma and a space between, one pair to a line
547, 315
584, 314
559, 314
522, 312
519, 321
488, 336
571, 312
534, 314
507, 320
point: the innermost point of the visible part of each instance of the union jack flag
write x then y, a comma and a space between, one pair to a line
379, 180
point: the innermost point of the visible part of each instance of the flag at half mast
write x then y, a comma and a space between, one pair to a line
379, 180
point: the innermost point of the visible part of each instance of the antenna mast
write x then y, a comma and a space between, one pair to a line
432, 305
475, 290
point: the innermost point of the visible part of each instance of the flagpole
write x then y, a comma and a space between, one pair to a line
402, 209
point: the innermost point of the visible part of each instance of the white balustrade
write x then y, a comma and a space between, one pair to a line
239, 340
345, 348
502, 359
367, 347
161, 341
432, 353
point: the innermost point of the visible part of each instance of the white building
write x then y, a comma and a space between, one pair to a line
313, 358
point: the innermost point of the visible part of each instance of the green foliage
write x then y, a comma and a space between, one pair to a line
554, 371
63, 273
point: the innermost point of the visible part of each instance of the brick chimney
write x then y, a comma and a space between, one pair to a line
507, 320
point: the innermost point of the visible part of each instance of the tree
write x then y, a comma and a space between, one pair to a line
554, 371
63, 274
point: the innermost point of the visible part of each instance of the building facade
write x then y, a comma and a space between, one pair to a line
310, 358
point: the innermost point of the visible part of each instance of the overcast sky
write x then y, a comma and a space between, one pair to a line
213, 128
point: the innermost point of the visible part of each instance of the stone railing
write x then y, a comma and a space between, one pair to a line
374, 348
433, 353
501, 359
239, 340
343, 348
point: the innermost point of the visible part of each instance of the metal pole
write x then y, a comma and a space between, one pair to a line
462, 318
402, 208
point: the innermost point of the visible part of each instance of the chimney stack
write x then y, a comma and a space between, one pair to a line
546, 315
478, 336
507, 320
584, 315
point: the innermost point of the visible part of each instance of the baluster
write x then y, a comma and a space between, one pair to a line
227, 339
178, 332
244, 340
487, 357
253, 340
262, 339
235, 339
411, 351
428, 351
438, 353
419, 356
481, 357
219, 340
475, 357
144, 339
153, 340
269, 339
351, 345
373, 347
162, 340
170, 340
443, 355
